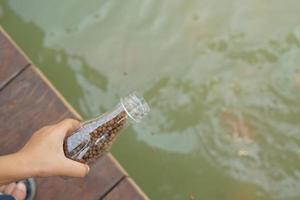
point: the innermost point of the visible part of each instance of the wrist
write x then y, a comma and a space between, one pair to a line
15, 166
25, 164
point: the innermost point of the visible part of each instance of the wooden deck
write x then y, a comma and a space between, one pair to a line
28, 102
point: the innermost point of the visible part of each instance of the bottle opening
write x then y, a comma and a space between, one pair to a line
135, 106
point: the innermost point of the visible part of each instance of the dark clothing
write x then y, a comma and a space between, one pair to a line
6, 197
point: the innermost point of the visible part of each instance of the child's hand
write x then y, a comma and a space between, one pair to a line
44, 152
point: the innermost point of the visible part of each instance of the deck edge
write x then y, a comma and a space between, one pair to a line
18, 49
15, 45
117, 163
137, 188
38, 71
59, 95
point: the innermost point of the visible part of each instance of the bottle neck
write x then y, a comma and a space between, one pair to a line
135, 107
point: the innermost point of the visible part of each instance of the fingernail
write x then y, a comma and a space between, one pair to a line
21, 186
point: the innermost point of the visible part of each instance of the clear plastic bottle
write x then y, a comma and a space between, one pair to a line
96, 136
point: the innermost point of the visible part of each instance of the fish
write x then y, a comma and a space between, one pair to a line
297, 79
240, 128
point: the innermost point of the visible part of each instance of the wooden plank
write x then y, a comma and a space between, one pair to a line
126, 190
27, 104
103, 176
12, 61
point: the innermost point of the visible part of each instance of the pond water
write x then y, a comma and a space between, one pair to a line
222, 79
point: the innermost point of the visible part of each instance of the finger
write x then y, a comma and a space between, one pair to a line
68, 126
19, 191
75, 169
9, 188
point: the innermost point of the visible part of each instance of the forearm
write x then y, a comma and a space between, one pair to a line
14, 167
43, 156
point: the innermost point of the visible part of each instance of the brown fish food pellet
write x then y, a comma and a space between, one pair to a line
100, 140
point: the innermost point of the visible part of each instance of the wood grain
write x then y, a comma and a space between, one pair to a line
102, 177
12, 61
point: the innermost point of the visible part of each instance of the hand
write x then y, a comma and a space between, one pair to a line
44, 152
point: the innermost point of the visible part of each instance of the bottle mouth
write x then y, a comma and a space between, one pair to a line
135, 106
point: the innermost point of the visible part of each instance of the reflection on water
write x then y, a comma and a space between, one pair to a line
222, 79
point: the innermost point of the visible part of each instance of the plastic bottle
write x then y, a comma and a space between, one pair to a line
96, 136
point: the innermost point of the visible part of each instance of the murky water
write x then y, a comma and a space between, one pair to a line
222, 79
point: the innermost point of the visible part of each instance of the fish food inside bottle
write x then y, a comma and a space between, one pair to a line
87, 148
96, 136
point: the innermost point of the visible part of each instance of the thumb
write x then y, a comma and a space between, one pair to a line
75, 169
67, 126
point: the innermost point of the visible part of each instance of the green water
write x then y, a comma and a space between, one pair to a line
222, 79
